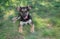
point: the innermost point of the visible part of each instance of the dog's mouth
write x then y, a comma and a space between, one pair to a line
25, 17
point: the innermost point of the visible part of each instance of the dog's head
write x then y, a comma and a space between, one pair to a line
24, 11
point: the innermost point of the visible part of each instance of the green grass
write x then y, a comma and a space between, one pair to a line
8, 30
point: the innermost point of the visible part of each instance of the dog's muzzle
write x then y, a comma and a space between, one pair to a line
24, 15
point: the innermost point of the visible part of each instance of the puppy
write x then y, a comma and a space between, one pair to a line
24, 17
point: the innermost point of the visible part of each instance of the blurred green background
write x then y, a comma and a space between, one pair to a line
46, 18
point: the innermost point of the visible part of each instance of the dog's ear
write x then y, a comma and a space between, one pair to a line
29, 7
18, 8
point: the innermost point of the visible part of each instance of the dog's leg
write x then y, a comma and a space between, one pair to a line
32, 28
20, 28
14, 19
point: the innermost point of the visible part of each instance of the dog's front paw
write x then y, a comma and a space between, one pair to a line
14, 19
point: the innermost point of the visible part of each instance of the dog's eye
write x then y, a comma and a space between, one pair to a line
24, 9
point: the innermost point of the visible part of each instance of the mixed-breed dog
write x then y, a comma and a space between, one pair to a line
24, 17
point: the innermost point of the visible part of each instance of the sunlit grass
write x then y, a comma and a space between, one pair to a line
8, 13
46, 4
2, 8
57, 0
13, 1
41, 22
